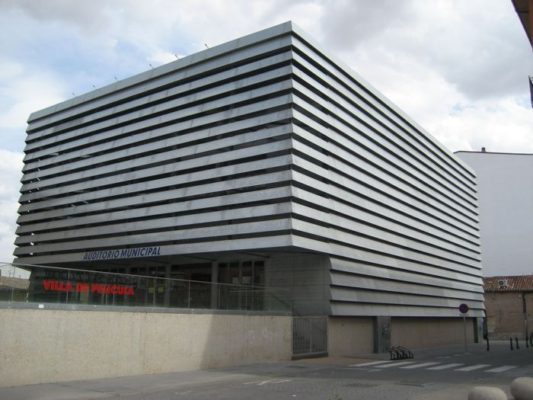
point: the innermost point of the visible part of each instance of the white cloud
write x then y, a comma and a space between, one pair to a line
162, 57
10, 170
23, 91
477, 46
501, 126
91, 16
348, 24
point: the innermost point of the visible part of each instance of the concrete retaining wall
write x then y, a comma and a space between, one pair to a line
38, 346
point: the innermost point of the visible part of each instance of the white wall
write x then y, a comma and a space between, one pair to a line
38, 346
506, 211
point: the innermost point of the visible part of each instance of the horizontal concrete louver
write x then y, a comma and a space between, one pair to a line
262, 143
395, 210
184, 156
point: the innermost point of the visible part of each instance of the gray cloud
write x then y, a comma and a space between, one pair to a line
348, 23
88, 15
477, 46
484, 56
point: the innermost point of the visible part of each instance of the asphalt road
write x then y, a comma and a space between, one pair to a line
447, 373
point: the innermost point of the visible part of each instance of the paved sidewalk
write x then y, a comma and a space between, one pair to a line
116, 387
325, 378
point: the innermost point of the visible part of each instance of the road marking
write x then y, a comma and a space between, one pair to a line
420, 365
445, 366
276, 381
431, 366
501, 369
368, 364
473, 367
268, 381
183, 393
394, 364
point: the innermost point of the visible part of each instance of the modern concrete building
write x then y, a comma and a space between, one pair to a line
266, 161
505, 189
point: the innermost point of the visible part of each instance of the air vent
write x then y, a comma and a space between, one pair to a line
502, 284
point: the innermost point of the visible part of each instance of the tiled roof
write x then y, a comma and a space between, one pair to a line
508, 283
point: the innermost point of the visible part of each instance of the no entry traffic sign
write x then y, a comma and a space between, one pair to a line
463, 308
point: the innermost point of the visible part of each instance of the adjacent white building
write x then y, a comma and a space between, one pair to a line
505, 190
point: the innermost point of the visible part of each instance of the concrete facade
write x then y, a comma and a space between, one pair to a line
40, 346
263, 148
431, 332
349, 336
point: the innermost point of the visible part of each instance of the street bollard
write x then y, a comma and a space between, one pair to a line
517, 345
522, 388
511, 342
486, 393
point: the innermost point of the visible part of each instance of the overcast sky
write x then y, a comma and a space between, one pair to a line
458, 68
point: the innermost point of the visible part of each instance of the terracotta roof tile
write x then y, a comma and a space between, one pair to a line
508, 283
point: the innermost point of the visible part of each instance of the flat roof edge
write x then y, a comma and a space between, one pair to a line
368, 86
492, 152
194, 58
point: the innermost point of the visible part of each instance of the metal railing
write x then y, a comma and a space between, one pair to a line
45, 284
309, 336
